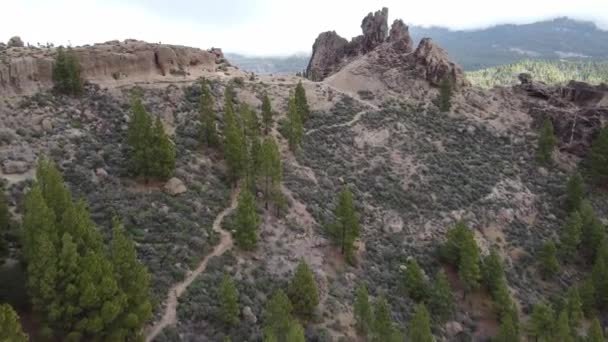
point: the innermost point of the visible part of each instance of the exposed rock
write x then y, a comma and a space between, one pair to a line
583, 94
175, 186
433, 64
47, 125
375, 30
525, 78
399, 36
248, 315
15, 42
10, 167
101, 173
327, 52
453, 328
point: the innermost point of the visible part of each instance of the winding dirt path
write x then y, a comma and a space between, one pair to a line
352, 121
170, 314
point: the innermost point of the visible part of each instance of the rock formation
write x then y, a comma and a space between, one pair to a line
25, 70
329, 49
375, 30
433, 64
399, 36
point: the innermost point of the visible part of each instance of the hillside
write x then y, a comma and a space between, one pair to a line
548, 71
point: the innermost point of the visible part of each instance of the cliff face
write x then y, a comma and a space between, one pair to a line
24, 70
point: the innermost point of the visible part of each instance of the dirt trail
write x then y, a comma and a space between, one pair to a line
170, 314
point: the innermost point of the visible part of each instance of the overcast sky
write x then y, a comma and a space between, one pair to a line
260, 27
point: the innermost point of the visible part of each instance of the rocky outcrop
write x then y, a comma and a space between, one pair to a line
583, 94
26, 70
434, 65
15, 42
375, 30
399, 36
328, 52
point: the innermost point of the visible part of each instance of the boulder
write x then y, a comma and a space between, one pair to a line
10, 167
434, 65
47, 125
175, 186
453, 328
248, 315
15, 42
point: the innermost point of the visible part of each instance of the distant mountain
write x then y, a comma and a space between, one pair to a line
560, 38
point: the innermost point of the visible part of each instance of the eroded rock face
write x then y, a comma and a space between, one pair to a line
15, 42
433, 64
27, 70
328, 51
399, 36
375, 30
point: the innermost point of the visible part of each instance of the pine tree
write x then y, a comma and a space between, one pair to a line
295, 332
10, 328
271, 169
229, 301
346, 228
302, 291
592, 230
362, 309
419, 328
451, 249
503, 302
575, 192
563, 331
595, 333
546, 141
295, 130
253, 145
549, 266
599, 275
587, 293
445, 95
493, 270
266, 113
277, 316
598, 157
4, 224
133, 279
247, 221
382, 326
50, 181
66, 73
541, 322
413, 281
571, 234
468, 267
441, 301
301, 102
507, 331
575, 307
208, 131
163, 152
234, 140
140, 138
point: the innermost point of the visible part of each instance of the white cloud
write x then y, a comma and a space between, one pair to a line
260, 27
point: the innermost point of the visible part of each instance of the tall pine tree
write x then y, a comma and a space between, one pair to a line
163, 152
266, 113
571, 234
441, 301
549, 266
598, 157
575, 192
277, 316
295, 129
208, 131
419, 328
413, 281
346, 228
301, 102
271, 169
302, 291
10, 328
229, 305
546, 141
362, 309
234, 140
247, 221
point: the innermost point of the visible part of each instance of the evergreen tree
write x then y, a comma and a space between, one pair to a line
277, 316
493, 270
598, 157
575, 307
595, 334
163, 152
4, 224
140, 138
208, 131
419, 328
234, 140
266, 113
451, 249
468, 267
592, 230
10, 328
247, 221
571, 234
302, 291
504, 303
563, 331
133, 279
599, 275
271, 169
254, 156
445, 95
575, 192
346, 228
66, 73
549, 266
229, 304
587, 293
442, 300
295, 130
363, 312
382, 326
301, 102
50, 181
508, 330
295, 332
546, 141
541, 322
413, 281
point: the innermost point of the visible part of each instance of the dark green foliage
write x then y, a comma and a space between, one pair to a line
413, 281
253, 146
441, 301
296, 332
235, 149
302, 291
541, 322
4, 224
575, 192
563, 332
587, 293
295, 129
598, 157
596, 333
362, 309
301, 102
546, 141
382, 328
599, 275
549, 266
152, 151
461, 249
247, 221
277, 317
266, 113
571, 234
574, 307
345, 230
229, 305
593, 231
508, 330
208, 131
271, 170
493, 271
419, 328
10, 328
66, 73
445, 95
